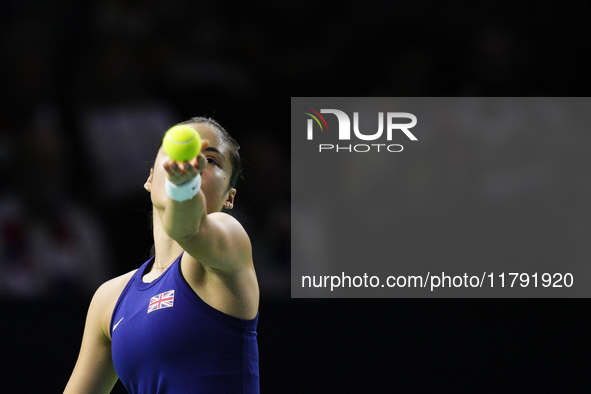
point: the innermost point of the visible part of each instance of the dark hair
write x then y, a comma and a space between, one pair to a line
235, 159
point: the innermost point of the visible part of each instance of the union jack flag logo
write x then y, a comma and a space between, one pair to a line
162, 300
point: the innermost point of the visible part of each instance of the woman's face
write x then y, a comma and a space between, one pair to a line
215, 178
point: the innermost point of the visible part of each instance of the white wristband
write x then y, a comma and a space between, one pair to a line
183, 192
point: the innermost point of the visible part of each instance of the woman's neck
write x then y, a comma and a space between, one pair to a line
166, 248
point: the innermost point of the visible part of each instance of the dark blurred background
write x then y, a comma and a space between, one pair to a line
88, 89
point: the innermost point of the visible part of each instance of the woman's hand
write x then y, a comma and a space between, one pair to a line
182, 172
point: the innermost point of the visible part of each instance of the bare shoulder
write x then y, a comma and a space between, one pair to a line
94, 371
219, 267
115, 285
105, 298
220, 244
230, 223
237, 246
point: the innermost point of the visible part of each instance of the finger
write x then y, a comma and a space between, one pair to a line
199, 162
192, 171
204, 144
187, 167
202, 162
172, 169
168, 163
192, 165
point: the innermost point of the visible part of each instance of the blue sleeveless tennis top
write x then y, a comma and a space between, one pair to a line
167, 340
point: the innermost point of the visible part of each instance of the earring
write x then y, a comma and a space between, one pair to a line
148, 184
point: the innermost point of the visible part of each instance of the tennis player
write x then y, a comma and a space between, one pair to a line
185, 321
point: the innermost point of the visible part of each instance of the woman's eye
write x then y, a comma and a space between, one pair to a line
212, 160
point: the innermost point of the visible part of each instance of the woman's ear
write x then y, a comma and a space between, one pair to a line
229, 203
148, 184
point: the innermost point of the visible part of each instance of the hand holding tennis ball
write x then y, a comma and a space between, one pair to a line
182, 143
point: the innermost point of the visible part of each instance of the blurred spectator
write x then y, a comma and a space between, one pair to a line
50, 244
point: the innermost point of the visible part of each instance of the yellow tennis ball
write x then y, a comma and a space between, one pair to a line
181, 143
